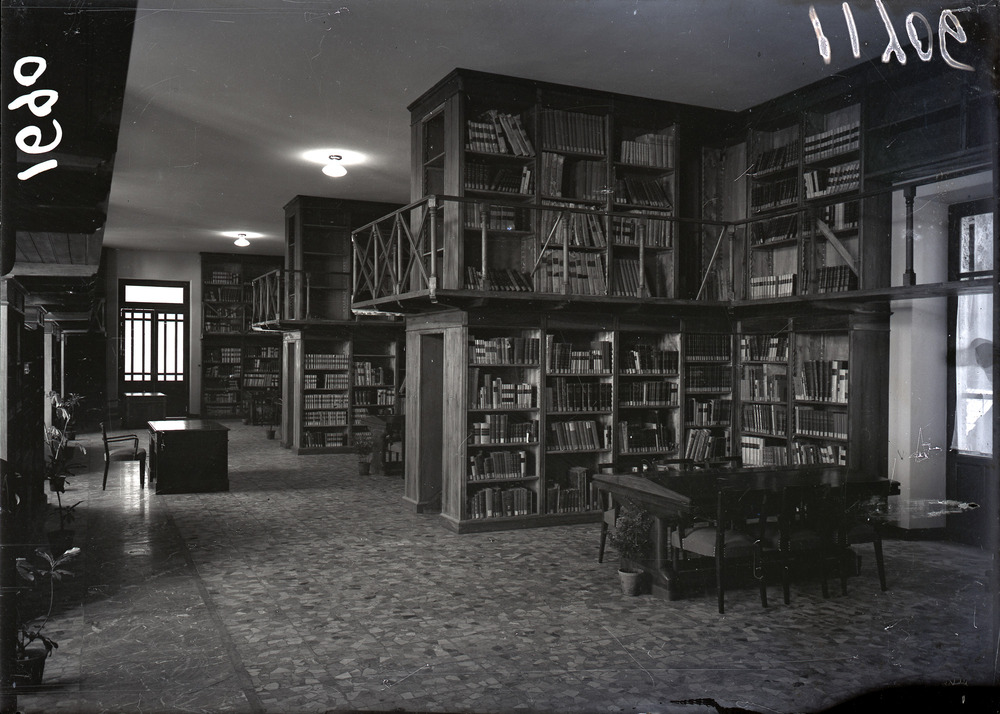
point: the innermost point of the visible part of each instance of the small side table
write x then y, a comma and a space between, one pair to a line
141, 407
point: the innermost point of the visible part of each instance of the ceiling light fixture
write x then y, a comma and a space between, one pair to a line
334, 160
241, 240
241, 237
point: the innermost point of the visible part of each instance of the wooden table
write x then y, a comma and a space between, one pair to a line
141, 407
188, 455
671, 496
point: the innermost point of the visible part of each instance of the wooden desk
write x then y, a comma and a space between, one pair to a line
188, 456
670, 496
141, 407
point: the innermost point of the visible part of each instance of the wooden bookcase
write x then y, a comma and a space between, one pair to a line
239, 366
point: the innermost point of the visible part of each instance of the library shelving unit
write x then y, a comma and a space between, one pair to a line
376, 379
233, 373
764, 393
707, 391
321, 393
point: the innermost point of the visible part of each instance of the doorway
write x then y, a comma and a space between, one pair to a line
430, 424
153, 339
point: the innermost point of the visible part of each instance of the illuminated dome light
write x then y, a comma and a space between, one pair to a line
334, 169
241, 237
241, 241
325, 156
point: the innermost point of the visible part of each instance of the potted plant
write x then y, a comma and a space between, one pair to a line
32, 647
66, 411
363, 445
60, 450
631, 538
271, 412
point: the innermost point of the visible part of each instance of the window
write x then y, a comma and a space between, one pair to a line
153, 333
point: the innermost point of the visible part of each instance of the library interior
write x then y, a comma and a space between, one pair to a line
618, 357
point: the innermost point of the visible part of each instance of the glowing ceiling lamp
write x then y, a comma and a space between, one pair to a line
241, 240
242, 237
334, 160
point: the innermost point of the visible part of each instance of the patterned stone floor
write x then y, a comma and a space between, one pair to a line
309, 588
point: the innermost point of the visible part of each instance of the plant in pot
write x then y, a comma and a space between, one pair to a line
631, 538
270, 413
59, 452
364, 446
32, 647
65, 408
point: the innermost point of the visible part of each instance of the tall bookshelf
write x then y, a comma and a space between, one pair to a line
239, 365
708, 395
765, 347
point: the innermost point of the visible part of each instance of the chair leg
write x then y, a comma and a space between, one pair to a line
604, 539
879, 563
718, 583
142, 472
107, 465
786, 583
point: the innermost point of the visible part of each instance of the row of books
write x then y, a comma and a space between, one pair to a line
501, 502
766, 419
819, 422
580, 274
577, 494
325, 381
764, 348
222, 326
224, 277
563, 395
772, 286
585, 230
832, 142
367, 374
760, 384
223, 294
589, 180
841, 216
777, 159
228, 355
319, 418
708, 412
717, 284
216, 371
627, 278
644, 359
261, 380
496, 394
502, 179
566, 357
660, 393
552, 174
637, 191
577, 435
498, 218
804, 453
705, 347
319, 360
836, 279
499, 429
499, 133
574, 131
646, 437
836, 179
500, 279
493, 465
708, 378
774, 230
269, 352
822, 380
702, 445
376, 396
652, 149
256, 364
324, 401
504, 350
651, 232
755, 451
218, 398
773, 194
314, 439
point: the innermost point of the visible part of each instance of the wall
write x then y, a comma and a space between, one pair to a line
156, 265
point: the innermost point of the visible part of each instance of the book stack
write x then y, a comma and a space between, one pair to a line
367, 374
770, 419
708, 348
503, 179
755, 451
805, 453
316, 360
649, 394
552, 173
590, 180
776, 159
627, 278
836, 279
324, 401
703, 445
510, 350
494, 393
842, 216
574, 228
636, 191
567, 358
498, 133
648, 359
774, 230
498, 465
772, 286
762, 385
501, 502
764, 196
708, 412
836, 179
338, 418
576, 495
581, 274
564, 395
225, 277
498, 429
823, 381
585, 435
501, 279
646, 437
574, 131
764, 348
651, 232
832, 142
819, 422
708, 378
651, 149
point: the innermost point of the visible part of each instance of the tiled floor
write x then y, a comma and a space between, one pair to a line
310, 588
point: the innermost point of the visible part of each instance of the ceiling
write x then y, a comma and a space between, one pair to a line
222, 97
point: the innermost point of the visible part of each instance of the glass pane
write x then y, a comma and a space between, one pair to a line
974, 375
977, 243
154, 293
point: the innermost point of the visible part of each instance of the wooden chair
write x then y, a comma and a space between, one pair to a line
122, 454
860, 521
806, 532
731, 536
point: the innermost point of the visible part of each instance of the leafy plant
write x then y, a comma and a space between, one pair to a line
631, 536
51, 571
65, 407
364, 445
60, 450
